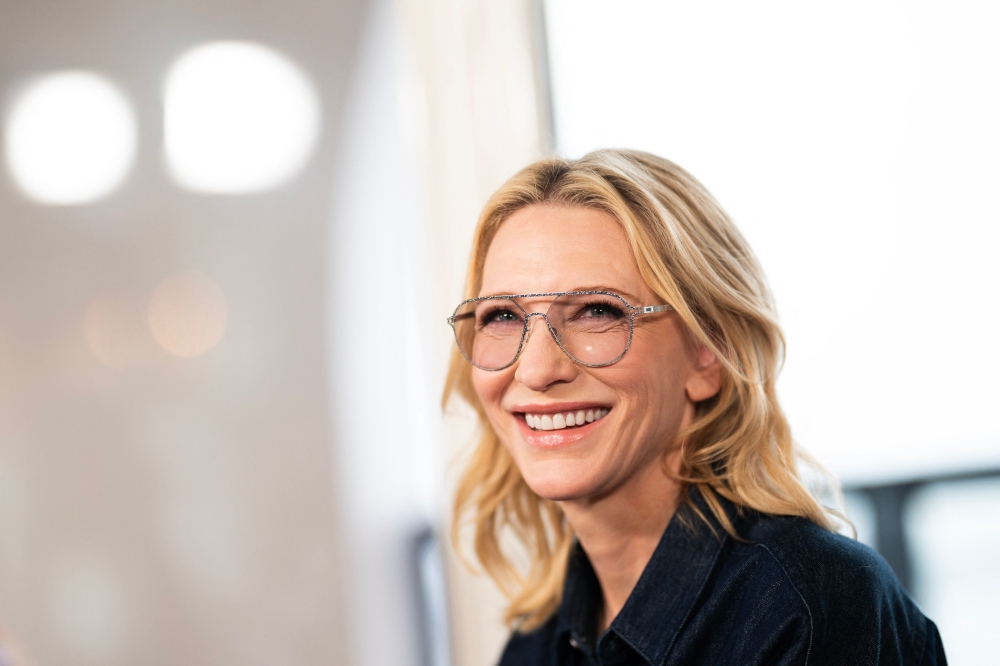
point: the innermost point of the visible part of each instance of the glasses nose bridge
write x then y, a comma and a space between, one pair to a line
528, 314
528, 328
543, 315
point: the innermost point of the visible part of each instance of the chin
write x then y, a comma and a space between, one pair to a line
558, 481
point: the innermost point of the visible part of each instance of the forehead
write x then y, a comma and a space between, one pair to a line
546, 248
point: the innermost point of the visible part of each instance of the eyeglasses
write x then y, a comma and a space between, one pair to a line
594, 328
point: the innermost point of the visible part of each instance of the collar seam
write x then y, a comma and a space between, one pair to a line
795, 587
687, 613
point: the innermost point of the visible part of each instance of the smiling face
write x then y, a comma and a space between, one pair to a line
632, 409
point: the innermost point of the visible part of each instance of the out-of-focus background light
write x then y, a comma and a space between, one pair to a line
238, 117
188, 314
70, 138
956, 538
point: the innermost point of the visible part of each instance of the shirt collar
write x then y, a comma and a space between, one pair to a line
668, 588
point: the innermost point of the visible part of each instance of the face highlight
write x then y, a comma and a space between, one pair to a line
577, 432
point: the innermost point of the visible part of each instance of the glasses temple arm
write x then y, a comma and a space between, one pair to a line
455, 318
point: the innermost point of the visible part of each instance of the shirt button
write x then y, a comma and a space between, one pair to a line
574, 642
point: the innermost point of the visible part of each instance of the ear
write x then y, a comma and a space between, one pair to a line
705, 379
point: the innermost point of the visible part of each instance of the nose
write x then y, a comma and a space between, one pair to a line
542, 362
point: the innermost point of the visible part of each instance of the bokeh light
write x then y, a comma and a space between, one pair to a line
238, 117
70, 138
188, 314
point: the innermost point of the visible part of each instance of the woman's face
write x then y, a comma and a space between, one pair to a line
649, 394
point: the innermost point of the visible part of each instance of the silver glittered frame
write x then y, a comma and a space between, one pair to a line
634, 311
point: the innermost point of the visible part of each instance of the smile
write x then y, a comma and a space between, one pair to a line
564, 420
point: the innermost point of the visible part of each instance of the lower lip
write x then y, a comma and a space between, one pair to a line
552, 439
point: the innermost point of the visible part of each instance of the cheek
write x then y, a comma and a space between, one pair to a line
652, 386
489, 387
650, 375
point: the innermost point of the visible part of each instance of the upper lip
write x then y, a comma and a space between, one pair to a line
556, 407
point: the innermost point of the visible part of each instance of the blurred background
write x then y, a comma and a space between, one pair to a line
230, 232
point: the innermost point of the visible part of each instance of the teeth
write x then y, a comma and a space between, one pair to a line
561, 421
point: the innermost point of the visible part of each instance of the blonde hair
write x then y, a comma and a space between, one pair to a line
690, 253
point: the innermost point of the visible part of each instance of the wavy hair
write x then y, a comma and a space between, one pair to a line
739, 445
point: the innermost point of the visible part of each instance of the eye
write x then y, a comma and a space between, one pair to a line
498, 316
601, 310
503, 315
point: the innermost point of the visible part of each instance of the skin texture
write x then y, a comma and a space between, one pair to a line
611, 477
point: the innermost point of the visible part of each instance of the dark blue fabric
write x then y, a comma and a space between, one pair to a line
788, 592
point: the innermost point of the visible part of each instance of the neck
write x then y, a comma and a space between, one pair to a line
619, 531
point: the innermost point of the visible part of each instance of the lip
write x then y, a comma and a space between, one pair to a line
553, 439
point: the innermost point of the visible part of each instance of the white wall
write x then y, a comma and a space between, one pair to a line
854, 144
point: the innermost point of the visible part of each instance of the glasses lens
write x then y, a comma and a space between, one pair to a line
489, 332
593, 328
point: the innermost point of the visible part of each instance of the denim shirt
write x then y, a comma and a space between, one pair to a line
789, 592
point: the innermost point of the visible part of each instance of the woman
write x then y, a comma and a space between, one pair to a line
620, 347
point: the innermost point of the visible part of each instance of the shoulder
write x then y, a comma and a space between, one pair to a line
851, 596
817, 560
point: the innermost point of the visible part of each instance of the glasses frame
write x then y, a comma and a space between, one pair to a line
634, 311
